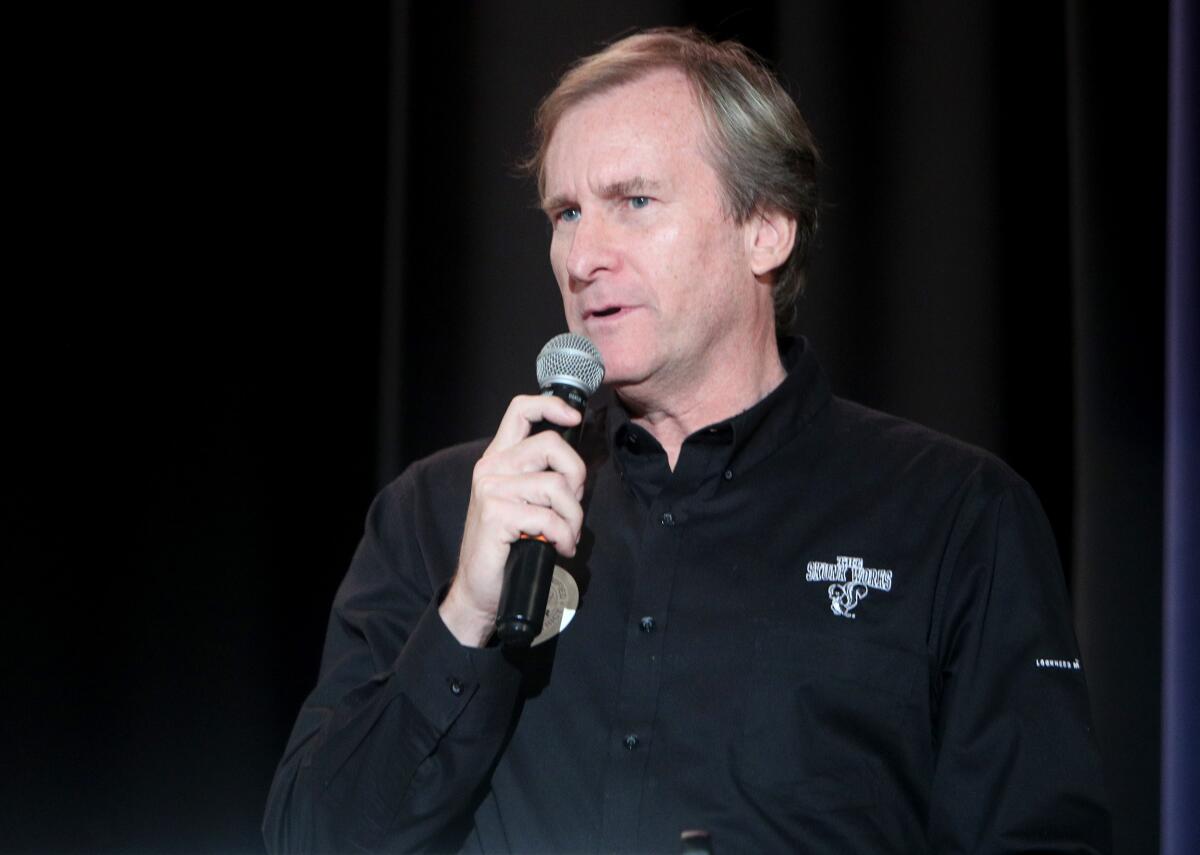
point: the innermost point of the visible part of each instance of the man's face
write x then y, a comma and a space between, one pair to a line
650, 267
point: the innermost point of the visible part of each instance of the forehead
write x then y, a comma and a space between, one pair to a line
652, 123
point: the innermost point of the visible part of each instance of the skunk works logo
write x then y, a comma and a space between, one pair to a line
851, 582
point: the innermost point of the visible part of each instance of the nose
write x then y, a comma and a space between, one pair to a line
592, 250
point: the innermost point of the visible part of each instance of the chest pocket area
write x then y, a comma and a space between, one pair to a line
823, 717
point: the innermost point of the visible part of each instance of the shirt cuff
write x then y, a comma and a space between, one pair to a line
447, 681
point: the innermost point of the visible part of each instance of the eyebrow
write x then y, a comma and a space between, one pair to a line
635, 186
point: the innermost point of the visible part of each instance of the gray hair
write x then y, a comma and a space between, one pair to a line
759, 144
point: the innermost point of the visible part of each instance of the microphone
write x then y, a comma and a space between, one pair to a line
695, 842
569, 367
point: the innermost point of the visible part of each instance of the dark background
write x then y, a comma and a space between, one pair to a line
271, 254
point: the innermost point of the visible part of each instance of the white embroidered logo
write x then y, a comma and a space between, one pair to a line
852, 582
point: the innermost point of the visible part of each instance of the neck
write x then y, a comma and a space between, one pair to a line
735, 385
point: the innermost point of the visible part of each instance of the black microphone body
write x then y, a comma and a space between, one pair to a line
569, 368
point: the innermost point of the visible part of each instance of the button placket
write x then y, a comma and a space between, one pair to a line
637, 703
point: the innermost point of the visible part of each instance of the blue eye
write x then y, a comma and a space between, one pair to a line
569, 215
639, 201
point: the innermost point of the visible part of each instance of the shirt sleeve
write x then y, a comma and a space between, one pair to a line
1017, 766
392, 749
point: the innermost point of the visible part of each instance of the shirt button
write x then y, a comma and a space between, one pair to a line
728, 474
667, 519
456, 687
631, 741
647, 624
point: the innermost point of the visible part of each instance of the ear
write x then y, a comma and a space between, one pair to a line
771, 234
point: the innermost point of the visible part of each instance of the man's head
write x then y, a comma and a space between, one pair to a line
755, 137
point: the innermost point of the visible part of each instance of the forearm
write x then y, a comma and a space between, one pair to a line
396, 762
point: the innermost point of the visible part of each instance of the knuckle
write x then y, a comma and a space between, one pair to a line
543, 440
518, 403
482, 469
494, 514
482, 486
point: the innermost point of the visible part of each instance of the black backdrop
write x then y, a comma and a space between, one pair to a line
271, 255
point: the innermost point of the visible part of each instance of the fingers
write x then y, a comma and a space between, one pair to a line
514, 519
526, 411
549, 452
540, 503
546, 451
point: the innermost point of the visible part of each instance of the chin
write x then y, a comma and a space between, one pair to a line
624, 351
622, 368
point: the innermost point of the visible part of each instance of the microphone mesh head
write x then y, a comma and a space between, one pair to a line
572, 359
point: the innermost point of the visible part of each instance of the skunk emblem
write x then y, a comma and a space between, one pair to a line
843, 598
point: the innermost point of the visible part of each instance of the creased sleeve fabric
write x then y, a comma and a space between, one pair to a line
392, 748
1017, 767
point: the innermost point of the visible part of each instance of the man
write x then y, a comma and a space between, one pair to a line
801, 625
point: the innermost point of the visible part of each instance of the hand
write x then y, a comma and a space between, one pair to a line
522, 484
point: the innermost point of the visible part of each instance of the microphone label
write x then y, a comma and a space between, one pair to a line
560, 605
568, 393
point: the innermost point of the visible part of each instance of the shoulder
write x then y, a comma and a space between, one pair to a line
416, 519
889, 448
451, 464
443, 479
973, 514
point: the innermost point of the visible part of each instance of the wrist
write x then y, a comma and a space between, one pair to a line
470, 626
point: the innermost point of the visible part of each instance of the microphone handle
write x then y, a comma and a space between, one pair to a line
695, 843
530, 566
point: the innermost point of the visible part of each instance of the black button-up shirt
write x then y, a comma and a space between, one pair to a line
827, 630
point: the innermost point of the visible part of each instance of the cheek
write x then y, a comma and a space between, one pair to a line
556, 253
664, 254
688, 261
720, 252
558, 263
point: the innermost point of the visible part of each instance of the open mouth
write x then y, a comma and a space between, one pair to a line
608, 314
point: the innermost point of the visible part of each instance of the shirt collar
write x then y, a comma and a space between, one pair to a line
748, 437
